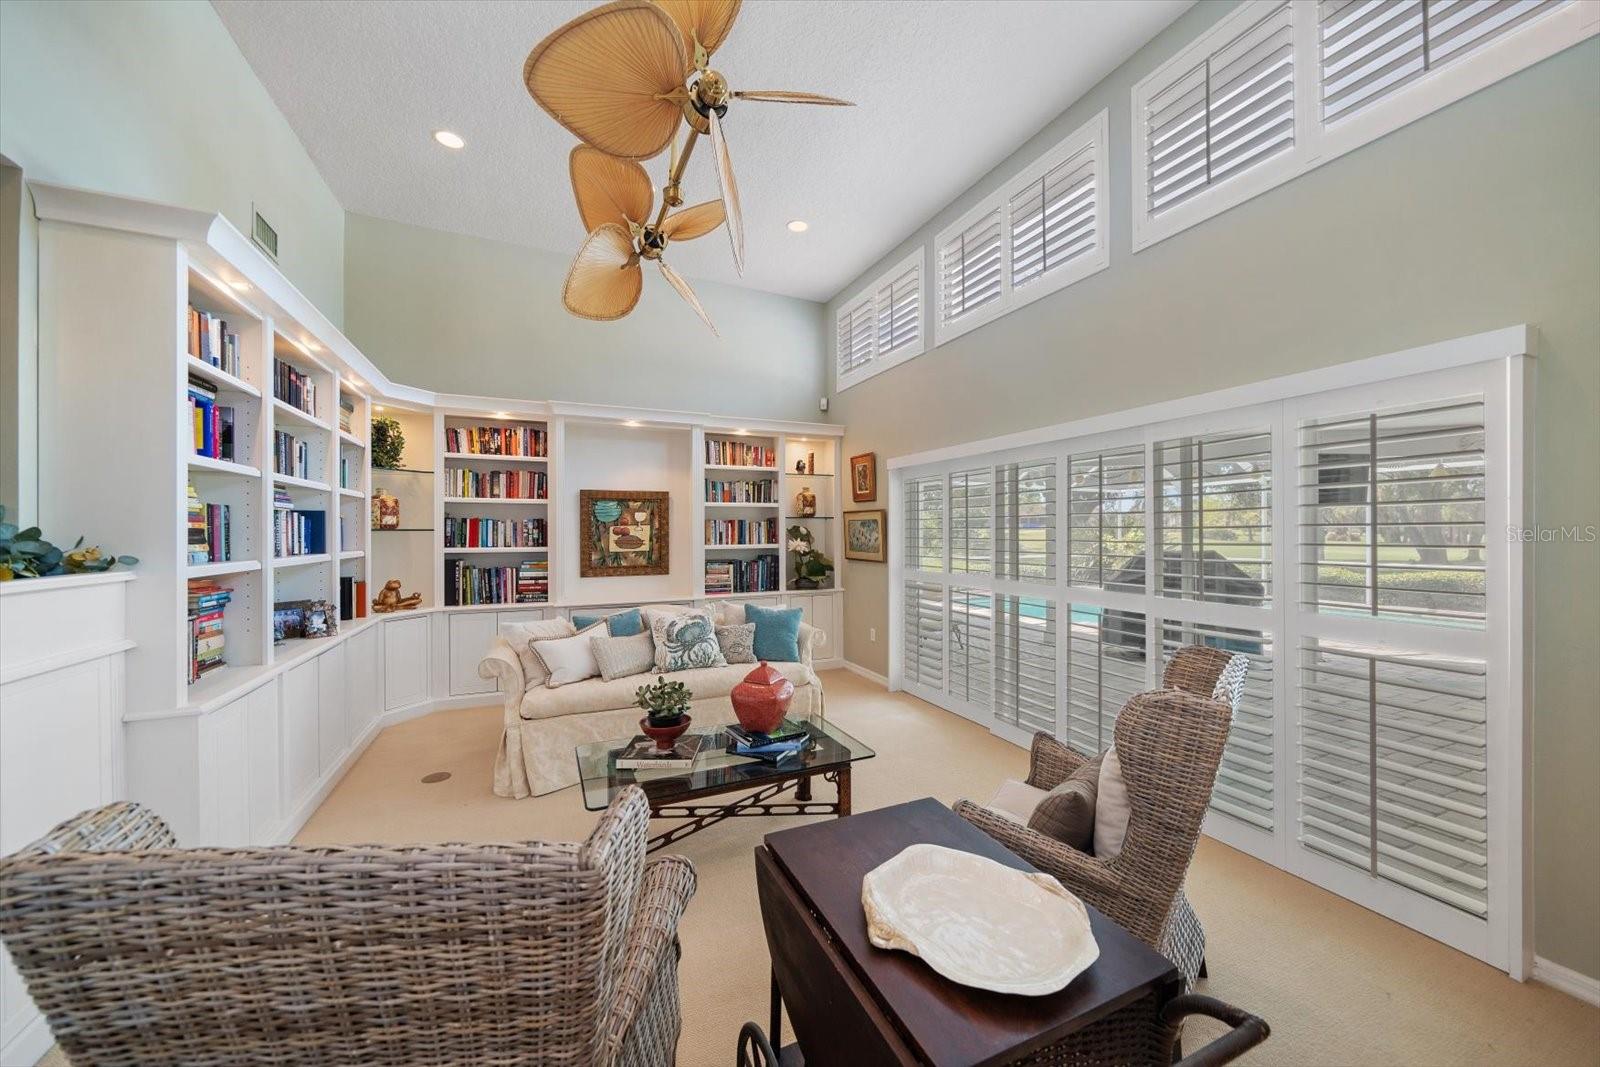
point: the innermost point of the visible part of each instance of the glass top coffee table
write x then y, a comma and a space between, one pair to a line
678, 794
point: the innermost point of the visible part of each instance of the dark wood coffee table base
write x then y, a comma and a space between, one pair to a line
759, 803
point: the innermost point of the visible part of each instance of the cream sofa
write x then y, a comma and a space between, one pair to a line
544, 726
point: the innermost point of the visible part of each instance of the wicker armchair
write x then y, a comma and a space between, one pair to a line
1169, 743
544, 952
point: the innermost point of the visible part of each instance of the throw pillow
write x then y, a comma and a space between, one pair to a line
622, 657
1015, 800
777, 633
618, 623
1111, 807
731, 614
521, 636
738, 643
1067, 812
684, 642
568, 659
651, 612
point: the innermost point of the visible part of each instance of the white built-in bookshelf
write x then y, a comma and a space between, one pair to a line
494, 528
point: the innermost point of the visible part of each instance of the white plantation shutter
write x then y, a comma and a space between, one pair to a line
1232, 110
1105, 520
1054, 219
1371, 48
925, 523
899, 310
1393, 762
970, 267
971, 509
857, 337
922, 645
1105, 666
1025, 521
1025, 662
881, 326
1215, 517
971, 653
1393, 519
1245, 779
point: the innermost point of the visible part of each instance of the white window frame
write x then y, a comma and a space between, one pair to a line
868, 297
1091, 135
1314, 142
1495, 364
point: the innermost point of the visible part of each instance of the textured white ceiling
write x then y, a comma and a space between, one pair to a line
944, 90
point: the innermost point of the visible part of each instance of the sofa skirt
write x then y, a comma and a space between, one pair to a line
537, 756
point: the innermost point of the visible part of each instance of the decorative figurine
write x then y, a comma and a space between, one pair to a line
799, 466
389, 599
805, 503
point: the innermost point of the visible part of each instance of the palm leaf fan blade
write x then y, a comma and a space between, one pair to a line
608, 189
730, 191
603, 76
605, 278
783, 96
677, 282
693, 222
706, 21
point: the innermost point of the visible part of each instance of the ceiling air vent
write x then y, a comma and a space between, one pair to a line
262, 233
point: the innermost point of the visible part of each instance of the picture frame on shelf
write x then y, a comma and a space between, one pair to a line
864, 537
623, 533
864, 478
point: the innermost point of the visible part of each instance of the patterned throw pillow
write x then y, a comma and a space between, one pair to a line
686, 641
623, 657
738, 643
1067, 812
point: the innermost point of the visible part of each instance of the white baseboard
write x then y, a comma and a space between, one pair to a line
871, 676
1569, 981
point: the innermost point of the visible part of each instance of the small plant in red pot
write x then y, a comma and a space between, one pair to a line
666, 706
762, 699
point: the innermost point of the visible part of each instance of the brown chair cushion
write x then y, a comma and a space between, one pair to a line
1067, 811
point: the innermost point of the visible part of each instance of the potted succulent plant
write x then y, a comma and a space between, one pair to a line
666, 707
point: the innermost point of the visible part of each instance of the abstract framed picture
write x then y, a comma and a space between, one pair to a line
864, 477
622, 533
864, 536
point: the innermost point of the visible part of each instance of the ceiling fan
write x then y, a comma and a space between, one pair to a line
622, 77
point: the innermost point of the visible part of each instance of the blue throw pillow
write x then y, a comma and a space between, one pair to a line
777, 633
618, 624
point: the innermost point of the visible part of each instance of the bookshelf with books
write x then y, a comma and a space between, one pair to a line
494, 535
741, 530
811, 464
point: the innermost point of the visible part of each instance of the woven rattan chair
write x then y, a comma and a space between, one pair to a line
1169, 743
545, 952
1208, 671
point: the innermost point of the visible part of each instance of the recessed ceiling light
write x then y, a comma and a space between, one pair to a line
798, 226
377, 407
502, 414
313, 346
631, 422
449, 138
240, 287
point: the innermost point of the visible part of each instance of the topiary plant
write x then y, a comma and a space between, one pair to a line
388, 443
665, 702
26, 554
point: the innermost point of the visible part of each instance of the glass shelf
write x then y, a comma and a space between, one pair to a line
376, 471
404, 529
809, 518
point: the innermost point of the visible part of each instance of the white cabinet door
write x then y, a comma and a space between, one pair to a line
470, 637
300, 733
511, 618
361, 681
405, 662
264, 741
825, 617
225, 775
333, 728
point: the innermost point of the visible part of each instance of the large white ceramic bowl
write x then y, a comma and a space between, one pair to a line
977, 922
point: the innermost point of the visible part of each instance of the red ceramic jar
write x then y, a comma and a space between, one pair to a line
762, 699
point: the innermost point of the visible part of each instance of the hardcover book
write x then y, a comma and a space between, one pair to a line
642, 754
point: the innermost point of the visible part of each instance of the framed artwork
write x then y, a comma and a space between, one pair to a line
864, 477
864, 536
622, 533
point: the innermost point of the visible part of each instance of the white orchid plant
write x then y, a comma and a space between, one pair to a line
810, 566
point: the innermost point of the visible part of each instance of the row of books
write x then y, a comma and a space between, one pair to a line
294, 388
764, 491
290, 455
210, 530
527, 582
347, 412
207, 601
346, 473
740, 454
352, 598
727, 576
497, 440
210, 341
496, 485
295, 532
493, 533
212, 422
742, 531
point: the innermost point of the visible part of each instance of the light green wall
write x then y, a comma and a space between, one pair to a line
467, 315
1482, 215
151, 98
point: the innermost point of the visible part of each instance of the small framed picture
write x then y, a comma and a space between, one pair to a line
864, 536
864, 477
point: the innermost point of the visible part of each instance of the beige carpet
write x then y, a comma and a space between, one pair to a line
1337, 983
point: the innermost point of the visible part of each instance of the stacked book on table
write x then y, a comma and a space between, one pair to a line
643, 755
207, 600
787, 744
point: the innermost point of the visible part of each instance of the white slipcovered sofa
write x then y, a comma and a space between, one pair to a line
543, 726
